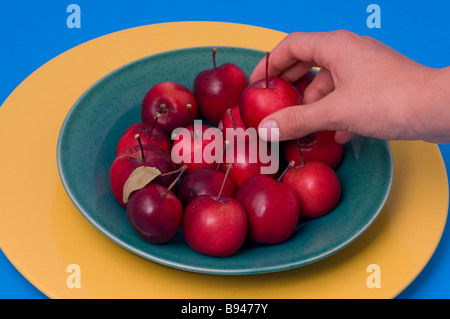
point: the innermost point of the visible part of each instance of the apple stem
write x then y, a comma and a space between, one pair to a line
173, 172
189, 107
300, 151
230, 114
214, 51
157, 116
138, 138
229, 166
267, 68
225, 145
291, 164
181, 172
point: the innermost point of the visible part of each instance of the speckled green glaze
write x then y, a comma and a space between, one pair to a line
92, 128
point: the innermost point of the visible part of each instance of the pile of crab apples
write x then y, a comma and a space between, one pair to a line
219, 204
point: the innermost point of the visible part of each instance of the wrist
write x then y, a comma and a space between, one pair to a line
436, 105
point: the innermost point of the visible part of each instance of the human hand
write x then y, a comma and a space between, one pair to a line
363, 87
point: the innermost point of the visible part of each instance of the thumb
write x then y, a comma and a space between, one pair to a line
300, 120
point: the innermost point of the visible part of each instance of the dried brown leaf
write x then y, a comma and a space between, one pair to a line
140, 177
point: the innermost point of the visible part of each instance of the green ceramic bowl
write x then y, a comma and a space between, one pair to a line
87, 145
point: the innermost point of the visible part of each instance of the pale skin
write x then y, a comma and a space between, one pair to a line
363, 87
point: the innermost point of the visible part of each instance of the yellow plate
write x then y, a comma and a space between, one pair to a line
43, 234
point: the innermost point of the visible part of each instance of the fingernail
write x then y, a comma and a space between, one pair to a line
266, 127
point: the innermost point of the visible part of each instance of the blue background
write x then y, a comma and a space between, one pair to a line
34, 32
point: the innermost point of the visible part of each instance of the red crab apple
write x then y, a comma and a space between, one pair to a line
170, 99
233, 128
215, 225
155, 212
247, 160
195, 146
319, 146
317, 187
265, 97
204, 181
272, 208
231, 119
304, 81
137, 156
219, 88
150, 134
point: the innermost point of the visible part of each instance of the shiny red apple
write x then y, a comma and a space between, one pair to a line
231, 119
272, 209
234, 129
155, 212
317, 186
171, 100
247, 160
319, 146
204, 181
149, 134
215, 225
265, 97
195, 146
218, 89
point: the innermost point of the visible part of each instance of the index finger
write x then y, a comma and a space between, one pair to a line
295, 48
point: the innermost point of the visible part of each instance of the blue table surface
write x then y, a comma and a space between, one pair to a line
34, 32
